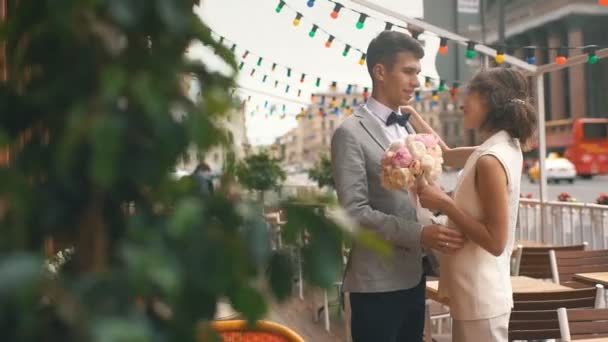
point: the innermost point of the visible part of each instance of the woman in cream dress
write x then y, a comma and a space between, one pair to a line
484, 204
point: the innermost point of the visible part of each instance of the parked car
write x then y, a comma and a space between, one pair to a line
558, 169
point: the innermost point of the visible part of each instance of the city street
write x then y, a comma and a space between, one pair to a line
583, 190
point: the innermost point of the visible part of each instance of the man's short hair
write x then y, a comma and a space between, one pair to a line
384, 49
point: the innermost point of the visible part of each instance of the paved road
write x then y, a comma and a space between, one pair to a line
584, 190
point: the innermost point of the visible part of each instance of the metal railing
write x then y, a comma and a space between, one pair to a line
565, 223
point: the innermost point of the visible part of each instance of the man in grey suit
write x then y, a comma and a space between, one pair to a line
387, 293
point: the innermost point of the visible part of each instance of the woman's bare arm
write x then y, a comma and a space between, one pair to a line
453, 157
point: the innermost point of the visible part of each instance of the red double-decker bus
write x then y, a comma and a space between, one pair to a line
583, 141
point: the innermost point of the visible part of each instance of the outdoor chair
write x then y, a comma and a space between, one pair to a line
553, 300
576, 324
565, 264
534, 262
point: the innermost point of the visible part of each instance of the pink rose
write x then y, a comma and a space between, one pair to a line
402, 158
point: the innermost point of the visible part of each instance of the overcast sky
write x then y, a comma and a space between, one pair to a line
255, 26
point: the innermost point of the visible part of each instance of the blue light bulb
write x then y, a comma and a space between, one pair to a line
310, 3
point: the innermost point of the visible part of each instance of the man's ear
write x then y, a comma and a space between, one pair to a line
379, 72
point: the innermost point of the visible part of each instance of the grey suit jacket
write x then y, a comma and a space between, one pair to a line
357, 147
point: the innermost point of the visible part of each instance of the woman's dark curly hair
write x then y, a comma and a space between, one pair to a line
507, 97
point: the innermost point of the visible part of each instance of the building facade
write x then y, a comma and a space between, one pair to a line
574, 92
302, 147
233, 123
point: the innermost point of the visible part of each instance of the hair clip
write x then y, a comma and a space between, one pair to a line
518, 101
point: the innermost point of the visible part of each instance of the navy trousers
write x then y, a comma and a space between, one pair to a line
396, 316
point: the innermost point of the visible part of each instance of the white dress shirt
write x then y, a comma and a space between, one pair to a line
381, 112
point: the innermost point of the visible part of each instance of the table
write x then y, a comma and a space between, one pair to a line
599, 339
593, 278
531, 243
520, 284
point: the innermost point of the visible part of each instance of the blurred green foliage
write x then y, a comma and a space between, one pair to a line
95, 115
260, 172
322, 173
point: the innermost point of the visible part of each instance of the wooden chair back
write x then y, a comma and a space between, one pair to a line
576, 324
534, 262
553, 300
534, 325
565, 264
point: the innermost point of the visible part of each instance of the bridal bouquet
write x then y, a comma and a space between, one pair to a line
418, 155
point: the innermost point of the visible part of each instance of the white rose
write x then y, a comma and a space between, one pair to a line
427, 162
395, 145
417, 149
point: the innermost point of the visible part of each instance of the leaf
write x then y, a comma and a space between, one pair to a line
281, 275
188, 214
121, 330
249, 302
107, 142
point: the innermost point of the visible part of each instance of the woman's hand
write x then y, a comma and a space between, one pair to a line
432, 197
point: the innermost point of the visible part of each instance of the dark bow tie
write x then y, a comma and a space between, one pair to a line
395, 118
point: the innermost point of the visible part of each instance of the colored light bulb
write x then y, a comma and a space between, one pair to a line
470, 54
592, 59
280, 6
500, 58
531, 60
296, 20
313, 31
346, 50
362, 59
334, 14
361, 22
443, 46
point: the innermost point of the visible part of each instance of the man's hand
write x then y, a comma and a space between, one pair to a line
442, 238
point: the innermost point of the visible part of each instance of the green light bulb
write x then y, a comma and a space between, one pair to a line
312, 33
471, 54
359, 25
592, 59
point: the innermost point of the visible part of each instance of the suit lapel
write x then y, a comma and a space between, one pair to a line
372, 127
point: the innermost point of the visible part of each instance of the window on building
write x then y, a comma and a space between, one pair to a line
446, 129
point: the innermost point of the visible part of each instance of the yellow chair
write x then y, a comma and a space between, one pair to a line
263, 331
